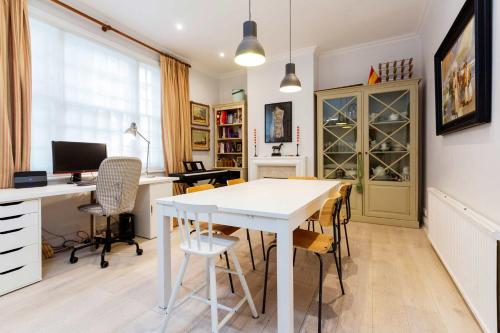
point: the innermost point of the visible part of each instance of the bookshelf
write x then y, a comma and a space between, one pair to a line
230, 137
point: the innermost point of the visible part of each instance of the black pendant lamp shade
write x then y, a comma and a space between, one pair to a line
250, 52
290, 82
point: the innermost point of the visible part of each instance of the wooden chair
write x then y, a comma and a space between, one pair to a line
314, 217
345, 217
235, 181
209, 246
318, 243
241, 181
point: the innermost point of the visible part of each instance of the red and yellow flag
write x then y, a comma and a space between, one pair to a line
373, 78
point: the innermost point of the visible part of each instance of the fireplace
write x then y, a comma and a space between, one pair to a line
276, 167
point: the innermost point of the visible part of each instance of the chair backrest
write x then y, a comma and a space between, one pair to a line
330, 210
345, 192
235, 181
117, 184
189, 213
303, 177
199, 188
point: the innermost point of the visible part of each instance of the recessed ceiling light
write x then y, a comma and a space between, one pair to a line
222, 55
179, 26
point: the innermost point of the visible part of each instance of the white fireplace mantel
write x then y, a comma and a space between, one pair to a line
299, 162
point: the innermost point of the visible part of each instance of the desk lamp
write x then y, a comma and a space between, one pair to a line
132, 130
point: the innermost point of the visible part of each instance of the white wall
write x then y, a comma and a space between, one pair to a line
352, 65
464, 164
263, 88
230, 81
204, 89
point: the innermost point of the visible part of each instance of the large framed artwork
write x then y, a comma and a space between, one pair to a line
200, 114
200, 139
462, 69
278, 122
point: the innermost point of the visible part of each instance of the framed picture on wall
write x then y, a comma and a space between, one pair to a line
462, 70
278, 122
200, 139
200, 114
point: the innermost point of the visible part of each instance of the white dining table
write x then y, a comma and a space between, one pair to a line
271, 205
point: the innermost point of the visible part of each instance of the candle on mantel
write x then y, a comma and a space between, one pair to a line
254, 137
298, 134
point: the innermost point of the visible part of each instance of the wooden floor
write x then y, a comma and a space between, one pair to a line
394, 283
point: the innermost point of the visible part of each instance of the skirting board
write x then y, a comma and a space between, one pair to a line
385, 221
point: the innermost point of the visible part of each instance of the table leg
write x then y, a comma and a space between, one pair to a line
285, 278
164, 258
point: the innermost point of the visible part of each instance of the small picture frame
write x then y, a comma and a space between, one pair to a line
200, 139
200, 114
239, 147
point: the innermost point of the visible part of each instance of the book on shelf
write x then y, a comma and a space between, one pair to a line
229, 117
230, 162
229, 133
229, 147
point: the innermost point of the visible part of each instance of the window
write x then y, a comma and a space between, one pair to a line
86, 91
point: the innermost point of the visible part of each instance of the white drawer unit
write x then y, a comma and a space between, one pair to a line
19, 256
145, 208
20, 245
19, 207
20, 276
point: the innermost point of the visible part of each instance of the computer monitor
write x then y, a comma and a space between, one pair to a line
77, 157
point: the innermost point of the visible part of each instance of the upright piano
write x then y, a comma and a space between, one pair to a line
195, 171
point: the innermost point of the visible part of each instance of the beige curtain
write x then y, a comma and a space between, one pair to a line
175, 119
15, 89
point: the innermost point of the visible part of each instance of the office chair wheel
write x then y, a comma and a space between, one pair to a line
139, 252
73, 260
104, 264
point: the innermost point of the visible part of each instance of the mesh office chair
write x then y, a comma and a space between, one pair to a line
117, 184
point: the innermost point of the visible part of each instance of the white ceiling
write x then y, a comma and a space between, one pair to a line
214, 26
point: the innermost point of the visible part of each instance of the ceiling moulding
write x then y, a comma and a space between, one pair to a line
228, 75
362, 46
423, 17
203, 69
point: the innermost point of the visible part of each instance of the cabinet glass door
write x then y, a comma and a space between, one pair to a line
389, 136
340, 137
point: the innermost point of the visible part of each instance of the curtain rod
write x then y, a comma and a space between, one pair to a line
106, 27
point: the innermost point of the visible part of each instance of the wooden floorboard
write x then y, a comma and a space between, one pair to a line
394, 282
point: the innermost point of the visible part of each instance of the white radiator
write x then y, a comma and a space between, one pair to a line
466, 242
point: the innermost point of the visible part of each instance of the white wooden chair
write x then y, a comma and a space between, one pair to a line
210, 246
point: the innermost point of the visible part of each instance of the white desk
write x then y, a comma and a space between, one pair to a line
21, 194
273, 205
20, 225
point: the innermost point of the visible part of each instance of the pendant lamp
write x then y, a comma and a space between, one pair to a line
290, 82
250, 52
